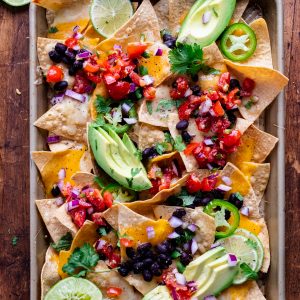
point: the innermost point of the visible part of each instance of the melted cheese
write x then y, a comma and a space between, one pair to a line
238, 184
245, 151
248, 170
246, 223
239, 292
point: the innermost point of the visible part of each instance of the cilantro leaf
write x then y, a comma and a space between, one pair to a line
249, 104
99, 122
187, 200
102, 231
102, 105
81, 261
179, 145
161, 147
168, 138
149, 107
248, 271
52, 29
64, 243
143, 70
186, 59
165, 105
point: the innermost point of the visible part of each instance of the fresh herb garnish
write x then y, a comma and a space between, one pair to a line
168, 138
248, 271
149, 107
102, 231
180, 267
14, 240
99, 122
100, 182
129, 181
175, 254
249, 104
138, 154
102, 105
81, 261
52, 29
146, 54
143, 70
64, 243
239, 196
179, 145
161, 147
138, 94
165, 105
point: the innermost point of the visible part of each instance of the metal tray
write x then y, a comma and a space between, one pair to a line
274, 124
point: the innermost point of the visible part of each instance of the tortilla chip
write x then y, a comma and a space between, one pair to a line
86, 234
247, 291
162, 11
91, 38
158, 66
205, 233
189, 160
112, 278
268, 84
149, 136
49, 164
67, 118
255, 146
264, 237
212, 55
140, 284
64, 145
56, 219
258, 176
242, 125
49, 274
240, 7
82, 179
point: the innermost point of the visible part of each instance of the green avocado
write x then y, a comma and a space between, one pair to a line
159, 293
205, 22
116, 160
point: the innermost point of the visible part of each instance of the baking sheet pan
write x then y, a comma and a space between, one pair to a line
274, 124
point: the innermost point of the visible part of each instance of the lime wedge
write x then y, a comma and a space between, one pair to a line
108, 16
74, 288
240, 246
17, 2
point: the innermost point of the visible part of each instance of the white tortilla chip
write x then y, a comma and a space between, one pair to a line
67, 118
149, 136
64, 145
56, 219
140, 284
162, 11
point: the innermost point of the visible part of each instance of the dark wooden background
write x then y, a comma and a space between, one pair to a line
14, 151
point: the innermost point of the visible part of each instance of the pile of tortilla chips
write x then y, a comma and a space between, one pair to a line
68, 119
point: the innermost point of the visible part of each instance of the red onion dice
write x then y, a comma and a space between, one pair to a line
53, 139
232, 260
245, 211
180, 278
173, 235
76, 96
159, 52
194, 246
59, 201
224, 187
100, 244
150, 232
72, 205
227, 180
175, 222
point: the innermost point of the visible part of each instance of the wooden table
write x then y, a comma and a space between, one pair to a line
14, 151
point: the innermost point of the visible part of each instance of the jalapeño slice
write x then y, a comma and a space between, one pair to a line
217, 209
238, 42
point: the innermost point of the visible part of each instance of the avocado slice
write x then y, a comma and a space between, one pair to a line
159, 293
205, 21
115, 159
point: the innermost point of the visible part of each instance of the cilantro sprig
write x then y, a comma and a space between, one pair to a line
102, 105
248, 271
64, 243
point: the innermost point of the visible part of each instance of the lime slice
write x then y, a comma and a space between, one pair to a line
108, 16
239, 246
17, 2
255, 242
75, 289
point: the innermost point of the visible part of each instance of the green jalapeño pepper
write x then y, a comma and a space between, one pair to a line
238, 42
217, 209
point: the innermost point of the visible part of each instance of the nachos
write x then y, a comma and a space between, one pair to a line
155, 169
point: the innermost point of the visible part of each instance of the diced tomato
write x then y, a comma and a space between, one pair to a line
88, 66
213, 95
135, 50
208, 183
193, 184
107, 250
71, 42
94, 78
96, 199
247, 87
126, 242
182, 85
81, 84
149, 92
165, 182
97, 218
84, 204
114, 260
119, 90
224, 82
218, 125
232, 139
114, 292
190, 148
218, 109
108, 199
78, 216
109, 78
184, 111
137, 79
155, 186
55, 74
204, 123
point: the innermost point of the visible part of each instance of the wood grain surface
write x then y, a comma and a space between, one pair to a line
14, 151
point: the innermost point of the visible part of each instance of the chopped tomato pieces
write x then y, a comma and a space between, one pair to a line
209, 183
55, 74
78, 216
126, 242
218, 109
231, 139
135, 50
224, 82
114, 292
193, 184
149, 92
119, 90
108, 199
248, 87
71, 42
190, 148
90, 67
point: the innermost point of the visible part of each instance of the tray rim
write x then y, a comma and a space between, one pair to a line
280, 159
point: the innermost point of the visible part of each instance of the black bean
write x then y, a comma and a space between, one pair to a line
227, 214
163, 247
147, 153
185, 258
155, 269
234, 83
161, 259
143, 248
236, 200
124, 268
148, 262
186, 137
182, 125
171, 43
231, 116
54, 56
65, 60
78, 64
196, 90
195, 77
167, 37
179, 213
55, 191
70, 56
147, 275
130, 252
138, 267
179, 230
217, 194
60, 48
72, 71
174, 201
60, 86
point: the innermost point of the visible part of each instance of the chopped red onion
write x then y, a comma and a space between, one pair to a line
77, 36
117, 47
192, 285
174, 169
194, 246
60, 185
75, 96
213, 176
208, 142
224, 188
75, 193
57, 98
187, 246
227, 180
206, 17
148, 79
100, 244
90, 210
126, 108
192, 227
150, 232
175, 222
205, 107
76, 28
52, 139
245, 211
174, 294
76, 47
188, 93
132, 87
62, 174
185, 225
59, 201
232, 260
209, 167
159, 52
130, 121
213, 114
72, 205
215, 245
83, 55
173, 235
210, 298
180, 278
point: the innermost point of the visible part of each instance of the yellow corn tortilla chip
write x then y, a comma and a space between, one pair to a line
212, 56
49, 274
140, 284
112, 279
56, 219
86, 234
240, 7
268, 84
83, 179
67, 118
49, 164
205, 233
162, 11
255, 146
149, 136
258, 176
247, 291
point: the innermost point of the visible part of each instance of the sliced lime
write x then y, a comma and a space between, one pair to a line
75, 289
255, 242
240, 246
108, 16
17, 2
